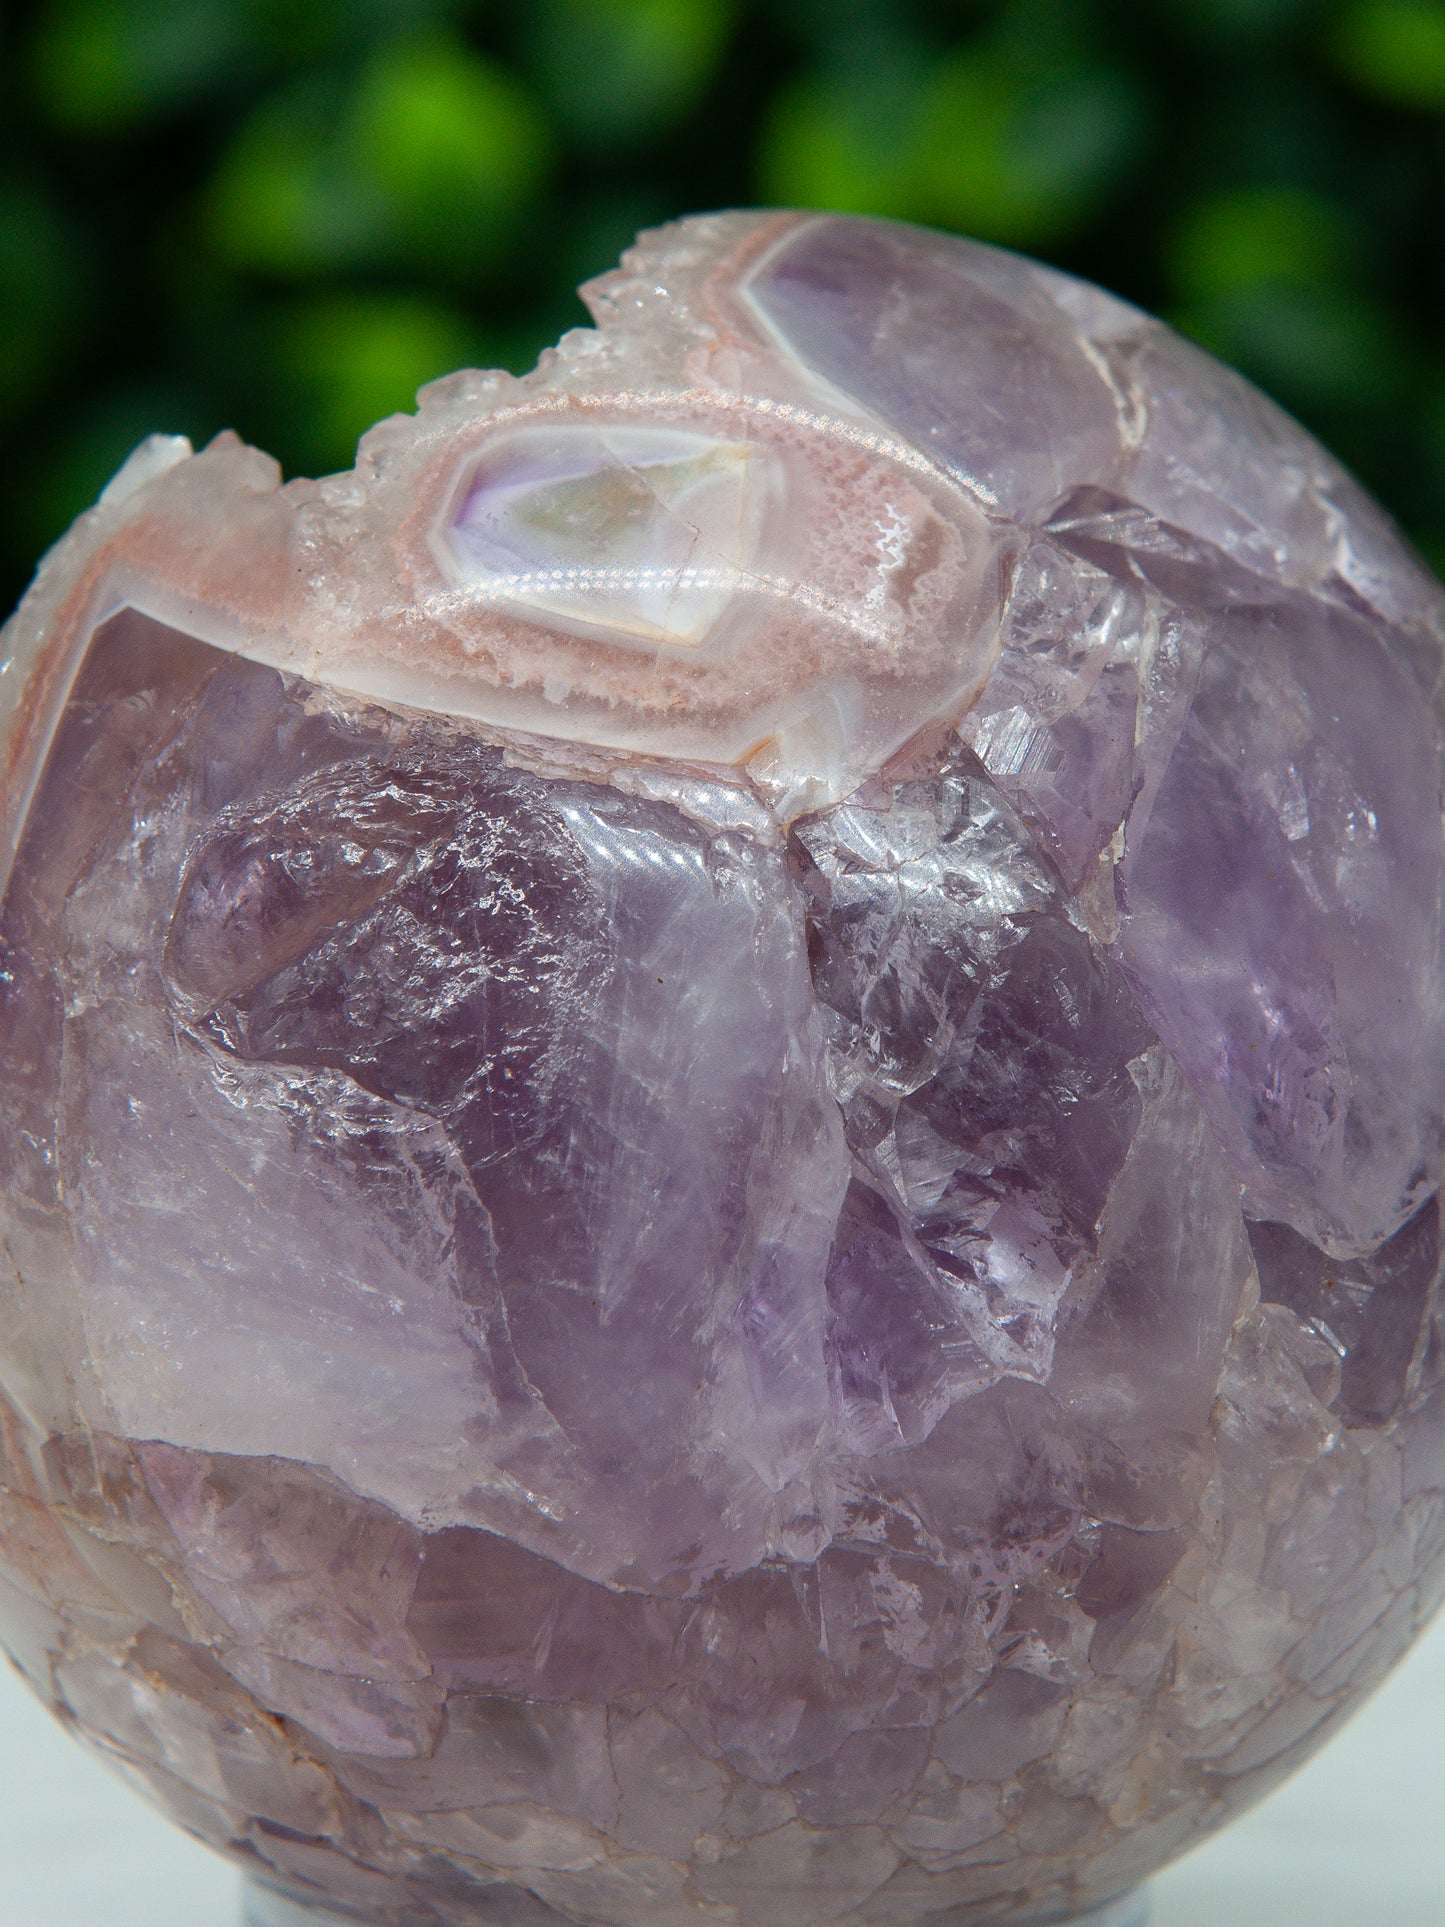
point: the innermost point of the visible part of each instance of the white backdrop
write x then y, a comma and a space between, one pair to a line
1355, 1840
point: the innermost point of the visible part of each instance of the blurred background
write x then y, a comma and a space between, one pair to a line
284, 215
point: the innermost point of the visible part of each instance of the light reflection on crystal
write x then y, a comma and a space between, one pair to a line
646, 532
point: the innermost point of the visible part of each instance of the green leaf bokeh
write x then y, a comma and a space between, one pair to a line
284, 219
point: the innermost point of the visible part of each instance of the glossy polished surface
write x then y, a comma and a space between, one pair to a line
724, 1111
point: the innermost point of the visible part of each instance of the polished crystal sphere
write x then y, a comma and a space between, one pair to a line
722, 1104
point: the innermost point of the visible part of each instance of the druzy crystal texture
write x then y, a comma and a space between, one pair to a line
722, 1111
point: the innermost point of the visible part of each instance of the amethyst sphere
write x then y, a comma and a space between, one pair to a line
722, 1111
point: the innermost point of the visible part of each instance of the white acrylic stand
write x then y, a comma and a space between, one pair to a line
267, 1909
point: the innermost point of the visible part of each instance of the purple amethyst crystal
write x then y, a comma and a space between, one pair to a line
723, 1111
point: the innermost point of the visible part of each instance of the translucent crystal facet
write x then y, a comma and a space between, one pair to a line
721, 1118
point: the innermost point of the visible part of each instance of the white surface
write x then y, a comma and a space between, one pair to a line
1355, 1840
79, 1849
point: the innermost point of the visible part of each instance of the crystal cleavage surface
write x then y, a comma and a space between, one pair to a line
722, 1111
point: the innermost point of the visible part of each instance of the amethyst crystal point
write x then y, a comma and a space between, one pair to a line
722, 1112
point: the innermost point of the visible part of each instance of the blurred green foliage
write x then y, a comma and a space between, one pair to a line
284, 218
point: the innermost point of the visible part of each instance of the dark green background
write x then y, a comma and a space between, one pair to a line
283, 215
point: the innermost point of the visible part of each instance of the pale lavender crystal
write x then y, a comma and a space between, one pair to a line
721, 1128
